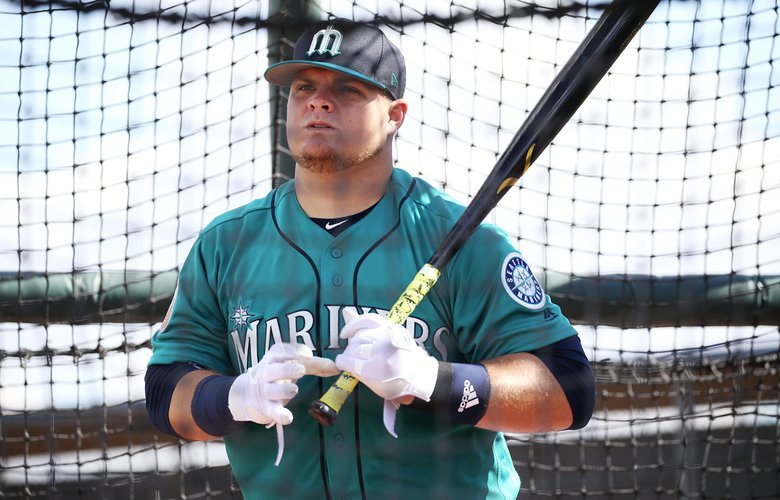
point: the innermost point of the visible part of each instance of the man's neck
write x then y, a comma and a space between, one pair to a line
343, 193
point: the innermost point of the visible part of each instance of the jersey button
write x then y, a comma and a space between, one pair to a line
338, 439
336, 253
337, 280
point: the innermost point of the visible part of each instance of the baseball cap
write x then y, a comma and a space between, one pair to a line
358, 50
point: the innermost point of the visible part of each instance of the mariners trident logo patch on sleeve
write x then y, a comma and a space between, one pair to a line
520, 283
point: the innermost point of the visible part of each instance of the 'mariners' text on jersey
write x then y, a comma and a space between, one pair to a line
250, 332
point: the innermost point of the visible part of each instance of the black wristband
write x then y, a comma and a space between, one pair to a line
210, 406
461, 393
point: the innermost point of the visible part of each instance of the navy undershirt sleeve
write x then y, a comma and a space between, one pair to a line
160, 382
568, 363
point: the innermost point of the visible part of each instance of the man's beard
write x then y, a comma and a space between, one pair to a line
328, 162
321, 163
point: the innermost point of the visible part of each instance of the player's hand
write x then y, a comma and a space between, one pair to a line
385, 357
260, 394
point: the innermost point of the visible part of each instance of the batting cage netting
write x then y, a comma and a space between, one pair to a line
653, 219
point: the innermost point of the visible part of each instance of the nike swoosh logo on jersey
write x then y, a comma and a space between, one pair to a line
329, 225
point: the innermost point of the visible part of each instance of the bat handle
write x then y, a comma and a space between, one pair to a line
326, 409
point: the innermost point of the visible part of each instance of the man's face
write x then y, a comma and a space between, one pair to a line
335, 122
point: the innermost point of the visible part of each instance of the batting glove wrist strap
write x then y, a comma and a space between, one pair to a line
461, 394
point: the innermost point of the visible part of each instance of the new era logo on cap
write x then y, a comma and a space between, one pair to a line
359, 50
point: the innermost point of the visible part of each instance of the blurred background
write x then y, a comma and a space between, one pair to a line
653, 219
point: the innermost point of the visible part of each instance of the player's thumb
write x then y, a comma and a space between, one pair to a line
349, 314
349, 364
280, 414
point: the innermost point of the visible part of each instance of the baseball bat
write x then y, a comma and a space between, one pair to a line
571, 86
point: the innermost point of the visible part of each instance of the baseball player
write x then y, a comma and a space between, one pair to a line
256, 329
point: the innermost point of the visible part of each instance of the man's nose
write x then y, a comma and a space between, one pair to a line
321, 99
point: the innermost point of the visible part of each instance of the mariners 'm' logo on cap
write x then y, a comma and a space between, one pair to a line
326, 40
520, 283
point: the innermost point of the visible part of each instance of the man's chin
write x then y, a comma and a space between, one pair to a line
323, 163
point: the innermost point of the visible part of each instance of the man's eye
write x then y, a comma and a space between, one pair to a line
347, 89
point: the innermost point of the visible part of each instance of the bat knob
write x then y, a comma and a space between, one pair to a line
323, 413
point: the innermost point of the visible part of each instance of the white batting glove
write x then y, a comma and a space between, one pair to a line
260, 394
385, 357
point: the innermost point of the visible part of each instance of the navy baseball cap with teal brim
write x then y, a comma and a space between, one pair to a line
358, 50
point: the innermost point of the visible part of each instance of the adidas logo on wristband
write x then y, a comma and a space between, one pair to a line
469, 398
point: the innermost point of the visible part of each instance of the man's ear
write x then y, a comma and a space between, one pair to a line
396, 114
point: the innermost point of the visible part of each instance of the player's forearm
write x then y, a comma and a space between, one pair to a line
511, 393
180, 412
525, 397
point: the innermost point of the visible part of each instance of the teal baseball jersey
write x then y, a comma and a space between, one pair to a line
265, 273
